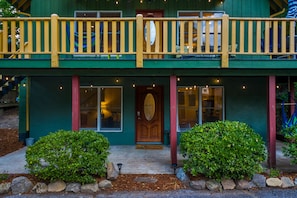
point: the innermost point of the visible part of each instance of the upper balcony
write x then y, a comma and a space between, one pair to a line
222, 40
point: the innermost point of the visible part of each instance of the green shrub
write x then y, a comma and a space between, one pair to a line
290, 147
69, 156
222, 149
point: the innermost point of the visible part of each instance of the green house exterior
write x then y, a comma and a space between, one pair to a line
242, 91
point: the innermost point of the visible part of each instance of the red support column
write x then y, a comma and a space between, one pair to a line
173, 135
75, 103
271, 122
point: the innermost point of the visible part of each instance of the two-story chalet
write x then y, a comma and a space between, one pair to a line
144, 71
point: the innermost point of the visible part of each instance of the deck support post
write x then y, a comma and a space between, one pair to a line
173, 133
271, 125
75, 103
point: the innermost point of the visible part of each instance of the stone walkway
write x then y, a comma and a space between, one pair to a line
135, 161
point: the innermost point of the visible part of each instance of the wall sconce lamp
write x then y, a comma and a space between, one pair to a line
119, 167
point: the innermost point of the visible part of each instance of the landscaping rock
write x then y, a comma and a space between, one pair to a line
228, 184
73, 187
5, 187
243, 184
112, 173
274, 182
40, 188
259, 180
287, 182
213, 185
198, 185
57, 186
90, 188
105, 184
181, 175
20, 185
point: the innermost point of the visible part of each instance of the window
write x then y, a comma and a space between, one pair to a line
102, 14
197, 105
101, 108
202, 30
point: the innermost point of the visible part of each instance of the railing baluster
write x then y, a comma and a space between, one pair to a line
123, 36
5, 36
12, 36
250, 36
38, 36
190, 36
47, 37
30, 36
173, 38
131, 38
241, 36
89, 37
293, 48
284, 38
258, 36
199, 33
165, 36
157, 41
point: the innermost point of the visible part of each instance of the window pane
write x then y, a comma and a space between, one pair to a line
88, 107
199, 105
212, 107
110, 108
187, 107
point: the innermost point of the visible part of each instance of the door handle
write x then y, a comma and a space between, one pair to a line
138, 115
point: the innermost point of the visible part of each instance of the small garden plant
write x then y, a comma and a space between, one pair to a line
223, 149
290, 147
69, 156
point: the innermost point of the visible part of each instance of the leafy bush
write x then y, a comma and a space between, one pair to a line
290, 147
223, 149
69, 156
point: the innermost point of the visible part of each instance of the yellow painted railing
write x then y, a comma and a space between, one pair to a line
147, 38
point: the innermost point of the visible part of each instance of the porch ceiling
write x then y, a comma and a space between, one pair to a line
22, 5
275, 5
278, 5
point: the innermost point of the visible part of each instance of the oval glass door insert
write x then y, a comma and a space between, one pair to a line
149, 106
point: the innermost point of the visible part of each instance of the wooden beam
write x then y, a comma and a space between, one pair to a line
75, 103
271, 125
173, 132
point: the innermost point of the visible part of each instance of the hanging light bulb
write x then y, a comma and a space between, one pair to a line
117, 2
141, 1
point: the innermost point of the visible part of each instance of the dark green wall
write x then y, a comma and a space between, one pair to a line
242, 8
249, 105
50, 107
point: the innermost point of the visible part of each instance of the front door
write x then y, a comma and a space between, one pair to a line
149, 114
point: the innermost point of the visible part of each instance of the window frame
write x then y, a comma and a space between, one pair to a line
99, 110
98, 107
197, 14
199, 90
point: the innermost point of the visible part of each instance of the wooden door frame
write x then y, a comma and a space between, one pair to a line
161, 89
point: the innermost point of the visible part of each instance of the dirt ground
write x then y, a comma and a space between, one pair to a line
9, 137
9, 142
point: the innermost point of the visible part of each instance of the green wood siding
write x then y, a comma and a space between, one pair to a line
240, 8
50, 108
